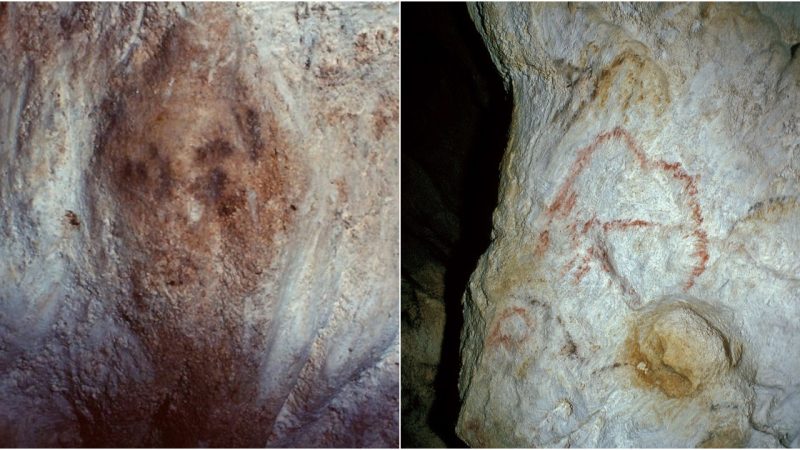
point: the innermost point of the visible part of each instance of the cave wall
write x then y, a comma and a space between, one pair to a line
455, 118
641, 285
199, 224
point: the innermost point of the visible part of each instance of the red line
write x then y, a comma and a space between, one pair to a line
566, 198
544, 242
622, 224
577, 167
584, 268
589, 223
498, 338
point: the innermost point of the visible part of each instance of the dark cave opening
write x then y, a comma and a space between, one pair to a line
456, 116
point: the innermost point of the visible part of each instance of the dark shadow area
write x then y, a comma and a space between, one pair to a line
455, 118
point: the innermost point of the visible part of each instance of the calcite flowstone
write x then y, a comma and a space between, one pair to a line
643, 283
198, 224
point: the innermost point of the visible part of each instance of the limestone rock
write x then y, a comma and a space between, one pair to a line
199, 234
642, 287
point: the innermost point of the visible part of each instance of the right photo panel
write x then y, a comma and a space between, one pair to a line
600, 205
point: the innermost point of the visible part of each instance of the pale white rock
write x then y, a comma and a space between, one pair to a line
642, 287
198, 224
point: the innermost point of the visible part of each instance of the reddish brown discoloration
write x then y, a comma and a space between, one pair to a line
584, 267
584, 156
476, 430
605, 261
589, 224
543, 243
633, 147
203, 179
701, 252
631, 79
564, 203
620, 224
3, 16
573, 231
370, 45
499, 337
362, 48
78, 19
341, 189
569, 265
385, 115
570, 203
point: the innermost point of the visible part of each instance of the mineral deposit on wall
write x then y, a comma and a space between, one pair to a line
198, 225
643, 283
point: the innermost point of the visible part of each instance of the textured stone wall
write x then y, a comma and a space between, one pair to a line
455, 118
199, 233
642, 287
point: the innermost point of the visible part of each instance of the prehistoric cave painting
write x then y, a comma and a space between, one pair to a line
203, 181
589, 226
511, 329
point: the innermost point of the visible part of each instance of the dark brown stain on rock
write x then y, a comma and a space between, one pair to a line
570, 349
72, 219
79, 18
198, 205
214, 151
251, 127
3, 16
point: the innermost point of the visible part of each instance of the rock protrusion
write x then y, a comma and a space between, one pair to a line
674, 349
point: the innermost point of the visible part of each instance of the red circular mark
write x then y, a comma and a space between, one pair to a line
509, 339
564, 204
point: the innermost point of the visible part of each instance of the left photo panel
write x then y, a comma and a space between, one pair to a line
199, 225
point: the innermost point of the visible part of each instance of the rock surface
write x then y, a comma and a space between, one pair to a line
642, 287
451, 94
199, 225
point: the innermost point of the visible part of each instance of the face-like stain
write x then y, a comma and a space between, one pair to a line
180, 149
